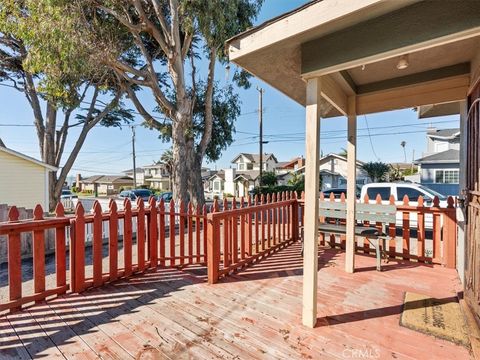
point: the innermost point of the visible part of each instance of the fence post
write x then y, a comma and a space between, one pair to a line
113, 240
295, 217
60, 249
153, 233
38, 253
213, 246
449, 235
97, 245
77, 249
14, 261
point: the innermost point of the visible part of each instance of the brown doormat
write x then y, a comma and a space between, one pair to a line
441, 318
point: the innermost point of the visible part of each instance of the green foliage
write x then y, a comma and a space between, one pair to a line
376, 170
269, 178
343, 152
410, 171
297, 181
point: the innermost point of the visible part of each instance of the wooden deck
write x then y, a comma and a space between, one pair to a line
256, 314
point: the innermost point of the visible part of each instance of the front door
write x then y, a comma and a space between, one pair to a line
472, 264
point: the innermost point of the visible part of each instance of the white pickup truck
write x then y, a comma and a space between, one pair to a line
399, 190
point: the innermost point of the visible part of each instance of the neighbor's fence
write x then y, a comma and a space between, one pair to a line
164, 237
421, 233
240, 236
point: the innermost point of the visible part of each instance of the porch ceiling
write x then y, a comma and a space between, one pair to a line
340, 42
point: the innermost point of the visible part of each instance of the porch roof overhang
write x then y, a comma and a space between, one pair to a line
355, 46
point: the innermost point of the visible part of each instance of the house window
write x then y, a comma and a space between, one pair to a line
216, 186
447, 176
241, 166
249, 166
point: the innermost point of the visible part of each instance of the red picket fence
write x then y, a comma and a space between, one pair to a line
239, 236
225, 240
164, 237
410, 238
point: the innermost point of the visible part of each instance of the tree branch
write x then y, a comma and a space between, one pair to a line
187, 42
162, 39
207, 133
149, 119
62, 138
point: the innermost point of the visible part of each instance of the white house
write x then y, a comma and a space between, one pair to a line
24, 181
157, 176
248, 162
333, 171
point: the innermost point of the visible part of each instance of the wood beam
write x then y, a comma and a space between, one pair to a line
351, 185
412, 28
431, 92
332, 92
417, 78
312, 179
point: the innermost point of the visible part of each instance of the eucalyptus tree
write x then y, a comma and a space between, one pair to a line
169, 49
62, 96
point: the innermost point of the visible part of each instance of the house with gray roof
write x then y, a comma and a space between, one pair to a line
440, 165
105, 184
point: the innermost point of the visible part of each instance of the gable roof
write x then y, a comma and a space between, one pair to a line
448, 156
248, 175
27, 158
328, 157
255, 158
445, 134
138, 170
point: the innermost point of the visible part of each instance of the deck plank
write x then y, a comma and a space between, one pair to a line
11, 346
33, 338
81, 324
253, 314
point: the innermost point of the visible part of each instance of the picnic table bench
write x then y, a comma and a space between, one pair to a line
374, 213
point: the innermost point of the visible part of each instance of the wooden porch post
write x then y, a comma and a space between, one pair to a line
312, 151
351, 185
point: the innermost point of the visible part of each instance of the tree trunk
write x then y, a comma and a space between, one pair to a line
180, 163
197, 193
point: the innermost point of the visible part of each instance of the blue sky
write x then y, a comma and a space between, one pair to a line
108, 151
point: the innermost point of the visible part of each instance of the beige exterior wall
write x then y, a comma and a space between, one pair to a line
22, 183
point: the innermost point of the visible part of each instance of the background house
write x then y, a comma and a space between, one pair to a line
333, 171
249, 162
23, 180
140, 175
105, 184
440, 165
156, 176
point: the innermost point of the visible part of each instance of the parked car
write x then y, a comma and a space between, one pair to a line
399, 190
166, 196
68, 194
337, 192
68, 199
134, 194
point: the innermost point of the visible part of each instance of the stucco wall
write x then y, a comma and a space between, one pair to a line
22, 183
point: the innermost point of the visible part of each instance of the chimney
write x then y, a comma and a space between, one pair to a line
78, 184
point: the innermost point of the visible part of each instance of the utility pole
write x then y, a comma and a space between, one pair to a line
260, 123
134, 160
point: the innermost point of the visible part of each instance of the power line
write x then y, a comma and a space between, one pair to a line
370, 138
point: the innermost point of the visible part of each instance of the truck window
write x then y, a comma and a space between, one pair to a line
412, 194
383, 191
